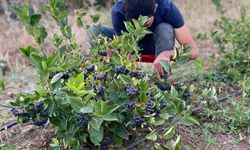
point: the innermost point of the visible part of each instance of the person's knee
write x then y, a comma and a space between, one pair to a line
164, 38
165, 31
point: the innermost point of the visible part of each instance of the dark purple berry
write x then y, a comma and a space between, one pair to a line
40, 122
103, 76
131, 106
101, 91
83, 119
20, 114
131, 92
121, 70
178, 86
13, 16
163, 87
106, 142
167, 86
91, 68
149, 108
141, 75
134, 73
155, 112
187, 95
14, 111
138, 120
66, 76
137, 74
37, 108
165, 76
150, 104
85, 76
103, 53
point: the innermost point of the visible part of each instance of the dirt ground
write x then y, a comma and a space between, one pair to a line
199, 15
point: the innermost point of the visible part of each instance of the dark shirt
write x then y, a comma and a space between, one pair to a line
166, 11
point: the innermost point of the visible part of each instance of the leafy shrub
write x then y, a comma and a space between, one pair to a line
100, 99
230, 118
233, 39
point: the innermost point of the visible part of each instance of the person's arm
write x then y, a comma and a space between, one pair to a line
173, 16
118, 22
184, 37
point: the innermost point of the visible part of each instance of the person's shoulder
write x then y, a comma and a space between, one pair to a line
118, 7
164, 3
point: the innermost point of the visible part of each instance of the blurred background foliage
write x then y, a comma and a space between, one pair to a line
5, 5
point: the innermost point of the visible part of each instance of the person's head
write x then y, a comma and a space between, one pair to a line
134, 8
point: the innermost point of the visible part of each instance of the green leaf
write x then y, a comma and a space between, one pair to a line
34, 19
36, 60
17, 11
43, 35
174, 92
110, 117
40, 89
176, 54
67, 32
143, 97
53, 59
159, 121
44, 65
28, 51
165, 116
96, 136
95, 18
2, 86
79, 79
177, 143
119, 130
104, 107
56, 78
189, 111
178, 104
192, 88
87, 109
170, 133
96, 105
161, 147
111, 109
187, 49
152, 136
166, 66
189, 121
125, 78
96, 123
80, 14
205, 92
76, 103
136, 24
62, 50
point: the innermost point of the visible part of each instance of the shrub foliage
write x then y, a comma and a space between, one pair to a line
233, 39
103, 99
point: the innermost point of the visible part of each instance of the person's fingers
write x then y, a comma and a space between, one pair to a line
161, 70
156, 69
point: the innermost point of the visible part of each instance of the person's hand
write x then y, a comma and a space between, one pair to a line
194, 53
163, 56
149, 22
